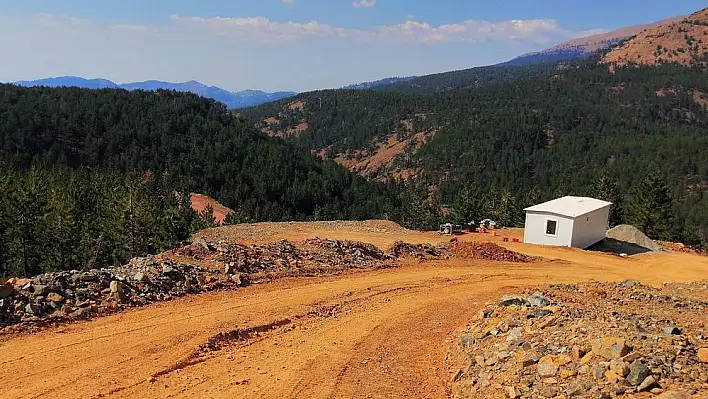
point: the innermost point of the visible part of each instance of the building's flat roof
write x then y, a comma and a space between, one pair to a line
570, 206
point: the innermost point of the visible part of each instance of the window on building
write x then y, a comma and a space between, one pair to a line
551, 226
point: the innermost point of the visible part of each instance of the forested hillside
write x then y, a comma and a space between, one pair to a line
107, 172
492, 150
475, 77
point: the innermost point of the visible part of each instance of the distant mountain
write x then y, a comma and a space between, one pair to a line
681, 41
70, 81
585, 46
240, 99
380, 82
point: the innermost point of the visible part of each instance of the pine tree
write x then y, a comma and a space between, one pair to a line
607, 190
651, 207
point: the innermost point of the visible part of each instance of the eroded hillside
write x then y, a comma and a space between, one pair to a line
682, 42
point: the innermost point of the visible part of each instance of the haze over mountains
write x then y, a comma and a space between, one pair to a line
239, 99
571, 50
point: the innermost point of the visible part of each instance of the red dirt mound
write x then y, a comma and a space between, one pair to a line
486, 251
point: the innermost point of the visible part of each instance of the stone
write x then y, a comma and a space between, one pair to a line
141, 277
513, 392
538, 314
610, 347
673, 395
613, 377
598, 371
566, 373
537, 299
6, 290
529, 361
55, 298
547, 367
514, 334
638, 371
548, 322
80, 313
479, 360
575, 389
118, 291
167, 269
630, 283
484, 314
230, 268
549, 391
32, 309
703, 355
672, 330
619, 367
236, 278
648, 383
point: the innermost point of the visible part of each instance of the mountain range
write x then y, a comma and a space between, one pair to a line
239, 99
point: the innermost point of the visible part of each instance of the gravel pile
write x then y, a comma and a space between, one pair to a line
595, 340
630, 234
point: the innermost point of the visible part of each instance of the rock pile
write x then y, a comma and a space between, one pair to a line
198, 267
75, 294
595, 340
400, 249
486, 251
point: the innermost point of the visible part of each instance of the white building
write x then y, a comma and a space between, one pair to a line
568, 222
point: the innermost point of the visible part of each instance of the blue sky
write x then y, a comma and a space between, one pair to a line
293, 44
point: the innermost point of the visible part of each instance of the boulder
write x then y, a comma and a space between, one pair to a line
547, 367
648, 383
638, 371
141, 277
537, 299
610, 347
703, 355
55, 298
32, 308
118, 291
619, 367
575, 389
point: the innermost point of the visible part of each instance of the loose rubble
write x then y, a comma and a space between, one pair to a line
204, 266
63, 296
593, 340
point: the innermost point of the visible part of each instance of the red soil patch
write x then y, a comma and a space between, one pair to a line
200, 203
486, 251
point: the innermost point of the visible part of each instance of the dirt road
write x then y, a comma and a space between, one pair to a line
377, 334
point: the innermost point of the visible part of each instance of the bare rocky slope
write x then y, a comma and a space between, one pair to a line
682, 42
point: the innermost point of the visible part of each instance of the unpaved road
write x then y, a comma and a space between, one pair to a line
376, 334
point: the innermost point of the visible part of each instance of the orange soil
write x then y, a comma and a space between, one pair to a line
374, 334
200, 203
384, 155
666, 43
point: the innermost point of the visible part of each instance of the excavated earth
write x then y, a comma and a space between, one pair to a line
366, 310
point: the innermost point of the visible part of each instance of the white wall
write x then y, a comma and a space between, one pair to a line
535, 229
590, 228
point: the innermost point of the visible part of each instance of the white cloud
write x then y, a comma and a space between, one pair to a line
364, 4
265, 30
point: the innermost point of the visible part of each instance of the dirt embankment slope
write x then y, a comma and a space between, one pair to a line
378, 334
